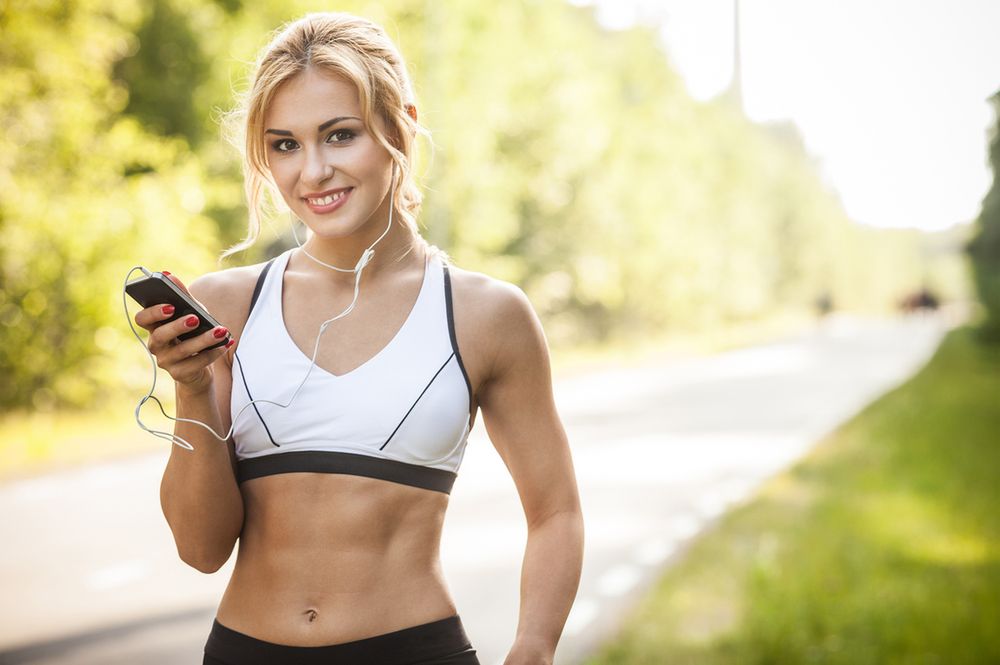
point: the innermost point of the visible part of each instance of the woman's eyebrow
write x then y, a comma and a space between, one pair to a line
332, 121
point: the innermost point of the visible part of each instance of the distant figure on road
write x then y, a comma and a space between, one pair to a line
824, 304
919, 301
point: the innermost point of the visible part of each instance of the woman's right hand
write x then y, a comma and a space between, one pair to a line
185, 360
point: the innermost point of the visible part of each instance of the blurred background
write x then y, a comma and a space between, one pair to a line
571, 157
656, 175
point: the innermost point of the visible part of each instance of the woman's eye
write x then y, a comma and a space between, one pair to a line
345, 134
348, 134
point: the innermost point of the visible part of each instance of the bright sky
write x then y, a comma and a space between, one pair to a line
889, 94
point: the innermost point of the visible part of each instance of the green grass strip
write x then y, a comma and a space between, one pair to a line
881, 546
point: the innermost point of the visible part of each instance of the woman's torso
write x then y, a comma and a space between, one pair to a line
326, 558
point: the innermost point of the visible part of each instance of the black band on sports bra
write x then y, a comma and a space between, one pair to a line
259, 286
327, 461
253, 301
454, 338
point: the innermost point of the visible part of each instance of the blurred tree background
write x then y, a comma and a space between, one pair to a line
567, 159
984, 248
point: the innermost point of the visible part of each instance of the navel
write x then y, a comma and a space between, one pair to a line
311, 615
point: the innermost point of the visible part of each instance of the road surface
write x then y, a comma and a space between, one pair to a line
90, 573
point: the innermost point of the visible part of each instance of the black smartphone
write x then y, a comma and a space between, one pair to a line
157, 289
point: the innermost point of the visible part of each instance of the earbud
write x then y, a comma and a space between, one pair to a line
365, 258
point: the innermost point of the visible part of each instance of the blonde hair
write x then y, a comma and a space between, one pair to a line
359, 51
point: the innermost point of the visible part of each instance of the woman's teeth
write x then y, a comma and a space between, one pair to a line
327, 200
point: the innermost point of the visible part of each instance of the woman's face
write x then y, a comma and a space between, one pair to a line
318, 149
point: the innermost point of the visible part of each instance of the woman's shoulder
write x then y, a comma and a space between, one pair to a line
497, 322
226, 293
490, 304
473, 285
228, 283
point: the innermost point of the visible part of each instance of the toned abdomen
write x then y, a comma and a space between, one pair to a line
328, 558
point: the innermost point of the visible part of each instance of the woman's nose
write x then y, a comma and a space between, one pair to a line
317, 169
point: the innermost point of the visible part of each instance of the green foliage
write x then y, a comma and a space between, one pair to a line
86, 191
572, 162
984, 248
881, 546
164, 72
567, 159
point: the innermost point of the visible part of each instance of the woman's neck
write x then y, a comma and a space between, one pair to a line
397, 250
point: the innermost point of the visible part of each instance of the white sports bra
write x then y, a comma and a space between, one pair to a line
403, 416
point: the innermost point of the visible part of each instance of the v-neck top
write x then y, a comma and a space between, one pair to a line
402, 416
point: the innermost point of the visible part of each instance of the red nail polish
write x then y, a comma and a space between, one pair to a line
220, 333
164, 272
168, 310
230, 343
191, 321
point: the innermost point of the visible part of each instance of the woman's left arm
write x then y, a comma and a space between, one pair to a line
522, 422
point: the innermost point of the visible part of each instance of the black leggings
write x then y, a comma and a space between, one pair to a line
441, 642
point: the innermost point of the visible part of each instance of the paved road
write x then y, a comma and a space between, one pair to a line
90, 574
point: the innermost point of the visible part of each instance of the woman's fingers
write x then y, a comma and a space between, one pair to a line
185, 359
151, 317
167, 336
175, 356
178, 282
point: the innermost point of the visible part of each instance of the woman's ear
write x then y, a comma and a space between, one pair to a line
411, 111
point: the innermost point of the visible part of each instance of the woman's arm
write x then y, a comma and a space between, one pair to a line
520, 416
200, 498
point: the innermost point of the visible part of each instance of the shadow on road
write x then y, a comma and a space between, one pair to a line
93, 641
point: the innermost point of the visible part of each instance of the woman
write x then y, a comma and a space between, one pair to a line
338, 500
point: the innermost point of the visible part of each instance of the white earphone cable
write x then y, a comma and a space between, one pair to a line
366, 257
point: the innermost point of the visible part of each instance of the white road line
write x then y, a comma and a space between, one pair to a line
33, 490
584, 611
117, 575
711, 504
737, 490
618, 579
684, 526
99, 476
655, 552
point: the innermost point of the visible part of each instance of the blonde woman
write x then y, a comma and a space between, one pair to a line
338, 500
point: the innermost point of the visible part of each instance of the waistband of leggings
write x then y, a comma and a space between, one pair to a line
408, 645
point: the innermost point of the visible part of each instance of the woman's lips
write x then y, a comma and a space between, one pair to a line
323, 209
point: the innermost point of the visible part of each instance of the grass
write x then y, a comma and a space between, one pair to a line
881, 546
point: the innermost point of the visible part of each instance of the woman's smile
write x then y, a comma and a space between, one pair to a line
329, 202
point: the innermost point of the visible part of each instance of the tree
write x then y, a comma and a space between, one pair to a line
984, 248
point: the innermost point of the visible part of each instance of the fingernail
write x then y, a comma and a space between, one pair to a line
220, 333
168, 310
191, 321
164, 272
230, 343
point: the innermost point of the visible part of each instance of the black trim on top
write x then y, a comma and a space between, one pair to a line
451, 333
354, 464
253, 301
266, 429
382, 447
259, 286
